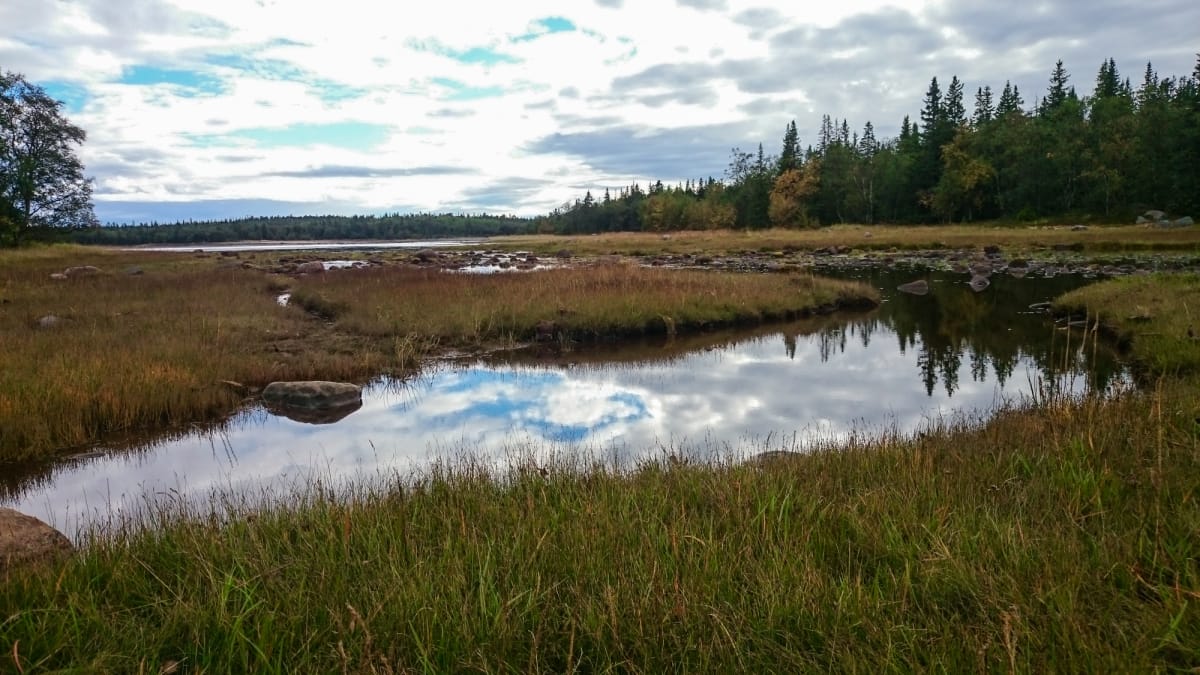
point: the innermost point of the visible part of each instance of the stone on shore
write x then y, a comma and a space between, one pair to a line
27, 540
312, 395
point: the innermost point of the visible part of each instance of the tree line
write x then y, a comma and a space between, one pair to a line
297, 228
1104, 157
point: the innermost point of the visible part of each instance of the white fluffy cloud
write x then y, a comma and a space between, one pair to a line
359, 106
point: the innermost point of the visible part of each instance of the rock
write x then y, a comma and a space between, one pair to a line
311, 267
1185, 221
1078, 228
48, 321
426, 255
58, 276
81, 270
991, 250
317, 415
1142, 220
27, 540
134, 271
1018, 272
918, 287
1155, 214
979, 283
980, 269
563, 254
312, 395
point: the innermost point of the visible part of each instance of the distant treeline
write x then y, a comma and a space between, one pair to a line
291, 228
1105, 157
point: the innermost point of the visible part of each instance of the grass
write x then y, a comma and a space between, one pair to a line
190, 337
1056, 537
1157, 317
864, 238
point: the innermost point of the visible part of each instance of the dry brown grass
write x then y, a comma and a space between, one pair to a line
872, 237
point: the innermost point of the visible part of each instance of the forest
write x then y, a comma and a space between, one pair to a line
296, 228
1105, 157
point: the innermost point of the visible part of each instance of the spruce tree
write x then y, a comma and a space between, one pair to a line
789, 157
984, 110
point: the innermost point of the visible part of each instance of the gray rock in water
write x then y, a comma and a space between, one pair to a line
1185, 221
979, 283
1142, 220
311, 267
27, 540
317, 415
312, 395
918, 287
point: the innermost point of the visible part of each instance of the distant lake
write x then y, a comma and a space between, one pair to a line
245, 246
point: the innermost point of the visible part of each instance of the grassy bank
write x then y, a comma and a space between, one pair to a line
126, 351
1048, 539
862, 237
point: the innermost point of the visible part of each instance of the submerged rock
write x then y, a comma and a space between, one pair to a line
26, 540
979, 283
918, 287
312, 395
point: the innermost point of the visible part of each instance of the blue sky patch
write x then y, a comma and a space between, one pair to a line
349, 135
485, 56
546, 26
184, 79
73, 96
464, 92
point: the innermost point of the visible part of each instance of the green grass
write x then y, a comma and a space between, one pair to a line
1058, 537
143, 353
1153, 315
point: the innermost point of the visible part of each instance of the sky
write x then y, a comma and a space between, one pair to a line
203, 109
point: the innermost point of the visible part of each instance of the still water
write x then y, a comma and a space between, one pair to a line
794, 386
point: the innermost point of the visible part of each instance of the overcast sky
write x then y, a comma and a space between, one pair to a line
225, 108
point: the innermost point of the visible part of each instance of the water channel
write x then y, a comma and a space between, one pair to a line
913, 361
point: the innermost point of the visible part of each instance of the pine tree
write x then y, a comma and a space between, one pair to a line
953, 111
789, 157
867, 145
1057, 94
1010, 100
931, 114
984, 110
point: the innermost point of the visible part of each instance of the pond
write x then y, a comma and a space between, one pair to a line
795, 386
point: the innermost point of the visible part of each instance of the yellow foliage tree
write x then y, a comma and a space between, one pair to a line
789, 197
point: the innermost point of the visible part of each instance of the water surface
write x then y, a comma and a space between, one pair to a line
792, 386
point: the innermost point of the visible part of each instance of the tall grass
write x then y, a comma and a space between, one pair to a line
1051, 539
864, 237
188, 338
584, 302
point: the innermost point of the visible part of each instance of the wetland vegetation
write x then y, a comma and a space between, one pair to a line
1055, 535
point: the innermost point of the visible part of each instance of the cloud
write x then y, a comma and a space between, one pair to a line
581, 94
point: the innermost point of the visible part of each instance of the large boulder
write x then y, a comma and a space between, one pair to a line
311, 267
27, 540
1155, 214
918, 287
312, 395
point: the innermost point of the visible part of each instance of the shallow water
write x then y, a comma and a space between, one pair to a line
792, 386
309, 246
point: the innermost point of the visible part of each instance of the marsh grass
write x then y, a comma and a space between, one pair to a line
1058, 538
863, 237
190, 337
1158, 317
588, 302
